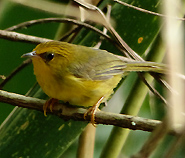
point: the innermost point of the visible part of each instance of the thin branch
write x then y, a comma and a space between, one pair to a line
105, 29
13, 36
60, 20
71, 112
73, 31
153, 90
147, 11
14, 72
27, 24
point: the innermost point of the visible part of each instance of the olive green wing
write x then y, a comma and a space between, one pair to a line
96, 65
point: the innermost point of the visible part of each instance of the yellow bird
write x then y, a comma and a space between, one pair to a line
81, 75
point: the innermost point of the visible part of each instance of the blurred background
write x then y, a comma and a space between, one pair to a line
27, 133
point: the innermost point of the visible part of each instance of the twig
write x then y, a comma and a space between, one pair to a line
153, 90
66, 20
76, 29
14, 72
71, 112
147, 11
13, 36
75, 34
104, 29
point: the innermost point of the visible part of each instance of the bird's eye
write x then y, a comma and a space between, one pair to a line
48, 56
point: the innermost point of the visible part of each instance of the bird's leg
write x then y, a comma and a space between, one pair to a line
49, 103
92, 110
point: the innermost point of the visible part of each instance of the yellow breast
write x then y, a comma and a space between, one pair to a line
76, 91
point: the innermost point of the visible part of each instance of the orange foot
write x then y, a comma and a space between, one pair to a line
49, 103
92, 110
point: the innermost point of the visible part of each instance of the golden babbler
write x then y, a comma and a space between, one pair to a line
81, 75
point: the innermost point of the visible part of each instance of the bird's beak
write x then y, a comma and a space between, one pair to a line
29, 55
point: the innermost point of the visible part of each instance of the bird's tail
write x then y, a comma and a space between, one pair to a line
146, 67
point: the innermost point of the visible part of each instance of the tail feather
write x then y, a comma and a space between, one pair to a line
145, 67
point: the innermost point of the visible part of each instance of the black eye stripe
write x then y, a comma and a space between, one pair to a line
47, 56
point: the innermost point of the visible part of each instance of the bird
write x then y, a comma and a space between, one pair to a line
80, 75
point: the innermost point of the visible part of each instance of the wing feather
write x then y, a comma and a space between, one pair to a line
97, 65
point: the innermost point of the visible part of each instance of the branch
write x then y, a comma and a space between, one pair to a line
13, 36
75, 113
14, 72
148, 11
59, 20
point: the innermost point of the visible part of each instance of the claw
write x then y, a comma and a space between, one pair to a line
49, 103
92, 110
